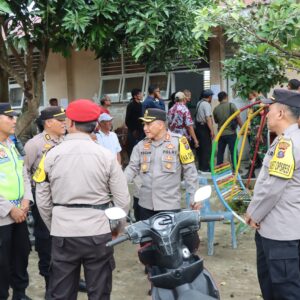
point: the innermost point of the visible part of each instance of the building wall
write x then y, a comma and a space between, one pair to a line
56, 78
78, 76
71, 78
83, 75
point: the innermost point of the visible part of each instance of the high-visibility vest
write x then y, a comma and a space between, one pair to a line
11, 173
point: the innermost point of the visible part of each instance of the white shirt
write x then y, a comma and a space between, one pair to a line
109, 141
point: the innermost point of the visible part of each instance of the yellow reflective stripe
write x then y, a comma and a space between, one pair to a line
40, 175
185, 153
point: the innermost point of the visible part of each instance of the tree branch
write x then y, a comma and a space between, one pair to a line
8, 68
16, 54
264, 40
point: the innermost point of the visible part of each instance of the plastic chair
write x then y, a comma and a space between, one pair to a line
205, 211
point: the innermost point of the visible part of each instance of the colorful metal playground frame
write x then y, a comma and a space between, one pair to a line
226, 178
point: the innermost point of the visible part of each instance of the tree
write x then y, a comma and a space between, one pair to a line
254, 69
267, 35
158, 33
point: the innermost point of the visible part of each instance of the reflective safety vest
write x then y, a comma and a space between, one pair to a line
11, 173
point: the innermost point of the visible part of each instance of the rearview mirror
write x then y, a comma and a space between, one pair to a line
115, 213
202, 193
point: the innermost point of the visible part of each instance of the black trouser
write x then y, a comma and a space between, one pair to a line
191, 240
278, 268
223, 142
132, 140
204, 150
136, 209
14, 253
42, 242
98, 263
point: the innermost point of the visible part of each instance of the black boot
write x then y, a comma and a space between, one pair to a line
20, 296
47, 294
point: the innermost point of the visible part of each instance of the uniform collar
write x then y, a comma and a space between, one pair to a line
7, 143
48, 137
290, 129
166, 138
77, 136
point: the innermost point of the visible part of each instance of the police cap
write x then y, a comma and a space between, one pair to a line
5, 109
154, 114
207, 93
53, 112
287, 97
83, 110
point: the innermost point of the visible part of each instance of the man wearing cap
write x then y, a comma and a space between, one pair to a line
204, 130
53, 122
15, 196
107, 138
76, 181
275, 208
294, 85
180, 119
160, 159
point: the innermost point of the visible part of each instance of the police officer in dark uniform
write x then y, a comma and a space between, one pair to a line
275, 208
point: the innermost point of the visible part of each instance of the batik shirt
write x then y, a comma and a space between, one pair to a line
179, 118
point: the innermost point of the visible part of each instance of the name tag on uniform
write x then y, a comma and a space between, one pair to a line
282, 164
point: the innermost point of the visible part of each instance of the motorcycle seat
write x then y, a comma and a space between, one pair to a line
194, 295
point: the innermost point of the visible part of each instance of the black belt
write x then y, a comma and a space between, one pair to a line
98, 206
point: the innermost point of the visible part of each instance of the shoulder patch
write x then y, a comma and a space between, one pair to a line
40, 174
185, 153
282, 164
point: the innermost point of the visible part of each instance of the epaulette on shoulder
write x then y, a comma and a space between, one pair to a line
176, 135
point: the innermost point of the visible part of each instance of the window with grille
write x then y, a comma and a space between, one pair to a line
120, 76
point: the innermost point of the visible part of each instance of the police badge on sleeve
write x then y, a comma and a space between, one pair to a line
185, 152
282, 164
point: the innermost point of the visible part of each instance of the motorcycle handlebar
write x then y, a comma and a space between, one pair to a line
117, 241
211, 218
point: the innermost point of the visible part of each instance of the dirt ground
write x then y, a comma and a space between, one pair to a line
234, 270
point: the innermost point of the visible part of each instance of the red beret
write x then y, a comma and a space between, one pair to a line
83, 110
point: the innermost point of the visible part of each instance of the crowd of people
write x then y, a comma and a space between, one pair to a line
71, 171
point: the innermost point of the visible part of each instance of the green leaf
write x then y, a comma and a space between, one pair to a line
5, 8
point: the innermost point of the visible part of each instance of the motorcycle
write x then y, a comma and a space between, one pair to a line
174, 272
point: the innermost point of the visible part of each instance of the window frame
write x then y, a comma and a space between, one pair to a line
160, 74
110, 77
146, 80
13, 86
132, 75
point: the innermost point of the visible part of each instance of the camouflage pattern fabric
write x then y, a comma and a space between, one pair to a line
263, 145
